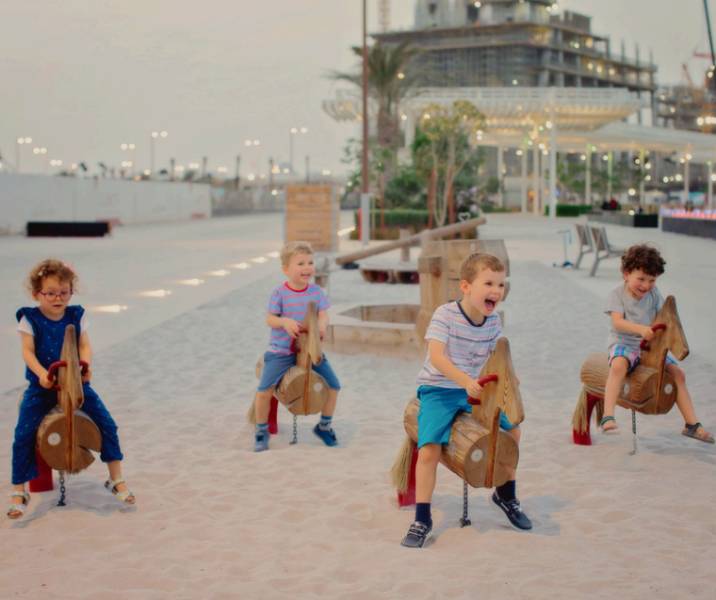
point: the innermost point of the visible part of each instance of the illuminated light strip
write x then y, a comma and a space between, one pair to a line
155, 293
109, 308
191, 281
274, 254
219, 273
346, 231
259, 259
241, 266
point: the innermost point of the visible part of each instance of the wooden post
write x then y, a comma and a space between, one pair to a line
404, 250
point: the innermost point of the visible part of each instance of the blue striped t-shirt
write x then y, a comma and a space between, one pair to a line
467, 345
287, 302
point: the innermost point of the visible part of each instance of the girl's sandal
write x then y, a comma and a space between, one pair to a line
15, 511
697, 432
125, 496
608, 425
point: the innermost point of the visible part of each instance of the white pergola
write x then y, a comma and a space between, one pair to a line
551, 120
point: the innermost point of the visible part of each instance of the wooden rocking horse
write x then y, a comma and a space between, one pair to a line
66, 437
478, 452
301, 390
648, 389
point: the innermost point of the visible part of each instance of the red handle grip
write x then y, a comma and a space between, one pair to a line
644, 345
84, 367
52, 371
482, 382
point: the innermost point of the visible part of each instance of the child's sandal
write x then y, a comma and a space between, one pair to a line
697, 432
125, 496
608, 424
15, 511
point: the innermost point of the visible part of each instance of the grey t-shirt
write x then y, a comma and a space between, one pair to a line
641, 311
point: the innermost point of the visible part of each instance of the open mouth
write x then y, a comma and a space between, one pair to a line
490, 304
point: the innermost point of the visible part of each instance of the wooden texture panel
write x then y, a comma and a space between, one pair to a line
312, 216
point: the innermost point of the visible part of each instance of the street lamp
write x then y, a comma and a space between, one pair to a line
154, 136
130, 148
40, 151
291, 133
21, 141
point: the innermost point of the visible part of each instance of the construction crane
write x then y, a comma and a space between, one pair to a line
710, 74
384, 15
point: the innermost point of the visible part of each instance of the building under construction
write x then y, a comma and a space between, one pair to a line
523, 43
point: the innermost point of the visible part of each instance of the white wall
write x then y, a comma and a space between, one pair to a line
26, 198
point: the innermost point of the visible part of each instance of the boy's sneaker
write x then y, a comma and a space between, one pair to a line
262, 442
417, 535
513, 511
327, 435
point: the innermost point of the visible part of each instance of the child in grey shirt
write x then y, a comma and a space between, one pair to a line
632, 307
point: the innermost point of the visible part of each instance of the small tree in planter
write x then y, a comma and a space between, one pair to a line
444, 147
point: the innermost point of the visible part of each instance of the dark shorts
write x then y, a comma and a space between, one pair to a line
276, 365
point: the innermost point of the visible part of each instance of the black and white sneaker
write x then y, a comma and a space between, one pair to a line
513, 511
417, 535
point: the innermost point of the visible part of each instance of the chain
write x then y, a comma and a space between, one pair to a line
465, 521
63, 489
633, 430
295, 430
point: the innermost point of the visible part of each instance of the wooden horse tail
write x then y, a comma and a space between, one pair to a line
400, 471
580, 419
582, 412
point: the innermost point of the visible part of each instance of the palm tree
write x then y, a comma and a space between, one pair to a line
389, 83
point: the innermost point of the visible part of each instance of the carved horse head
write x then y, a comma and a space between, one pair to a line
668, 336
501, 388
309, 340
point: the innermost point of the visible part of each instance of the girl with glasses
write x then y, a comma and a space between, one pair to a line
51, 284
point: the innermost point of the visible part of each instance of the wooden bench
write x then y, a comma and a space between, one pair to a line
586, 245
602, 248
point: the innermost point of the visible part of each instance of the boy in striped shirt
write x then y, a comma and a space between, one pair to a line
287, 308
461, 336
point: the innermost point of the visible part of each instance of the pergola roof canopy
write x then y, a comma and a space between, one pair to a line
580, 116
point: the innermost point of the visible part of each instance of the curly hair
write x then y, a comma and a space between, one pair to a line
644, 258
50, 267
476, 262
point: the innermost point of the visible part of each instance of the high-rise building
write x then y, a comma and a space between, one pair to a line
526, 43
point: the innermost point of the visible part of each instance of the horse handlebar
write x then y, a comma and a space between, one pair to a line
55, 366
658, 327
482, 382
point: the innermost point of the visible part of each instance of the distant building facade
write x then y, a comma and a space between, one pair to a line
522, 43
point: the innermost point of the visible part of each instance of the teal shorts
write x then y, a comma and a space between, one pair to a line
438, 408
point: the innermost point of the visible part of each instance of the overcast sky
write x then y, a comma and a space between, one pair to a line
83, 76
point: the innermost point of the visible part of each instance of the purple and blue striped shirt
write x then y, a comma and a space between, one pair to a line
287, 302
467, 345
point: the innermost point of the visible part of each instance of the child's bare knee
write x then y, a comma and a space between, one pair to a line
264, 395
677, 373
429, 454
515, 433
619, 367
